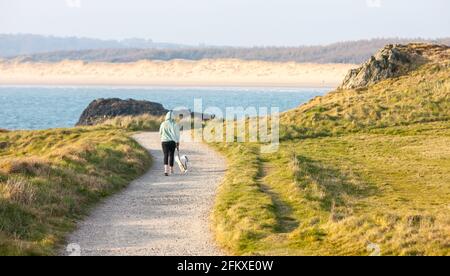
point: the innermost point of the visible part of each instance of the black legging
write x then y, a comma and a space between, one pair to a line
169, 152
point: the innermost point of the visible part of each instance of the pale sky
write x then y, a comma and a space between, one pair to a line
229, 22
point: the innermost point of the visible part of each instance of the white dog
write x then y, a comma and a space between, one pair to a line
182, 162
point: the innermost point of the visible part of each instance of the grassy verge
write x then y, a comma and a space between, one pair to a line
49, 179
242, 214
338, 195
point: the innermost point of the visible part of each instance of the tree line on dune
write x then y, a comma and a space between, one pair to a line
342, 52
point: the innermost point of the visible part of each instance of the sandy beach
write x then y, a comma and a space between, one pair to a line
221, 72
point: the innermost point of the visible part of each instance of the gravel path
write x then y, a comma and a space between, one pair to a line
157, 215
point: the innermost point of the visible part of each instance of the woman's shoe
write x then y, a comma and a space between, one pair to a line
166, 174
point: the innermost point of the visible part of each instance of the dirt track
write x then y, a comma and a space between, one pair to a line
157, 215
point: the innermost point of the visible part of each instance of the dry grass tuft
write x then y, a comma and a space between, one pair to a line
27, 166
19, 190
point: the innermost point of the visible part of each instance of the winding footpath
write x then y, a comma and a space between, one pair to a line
155, 214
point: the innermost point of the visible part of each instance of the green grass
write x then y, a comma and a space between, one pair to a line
242, 214
355, 168
336, 195
49, 179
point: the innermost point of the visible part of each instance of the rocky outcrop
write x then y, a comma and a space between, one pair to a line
394, 61
102, 109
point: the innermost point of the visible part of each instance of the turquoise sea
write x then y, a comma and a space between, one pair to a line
57, 107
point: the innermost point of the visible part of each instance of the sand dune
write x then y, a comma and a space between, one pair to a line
221, 72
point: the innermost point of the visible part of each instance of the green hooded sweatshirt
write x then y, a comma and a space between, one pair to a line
169, 130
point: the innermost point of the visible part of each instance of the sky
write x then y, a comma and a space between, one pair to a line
229, 22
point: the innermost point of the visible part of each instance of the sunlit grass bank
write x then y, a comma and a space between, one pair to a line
421, 96
338, 195
49, 179
357, 170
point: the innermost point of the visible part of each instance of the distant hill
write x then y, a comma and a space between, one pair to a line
51, 49
25, 44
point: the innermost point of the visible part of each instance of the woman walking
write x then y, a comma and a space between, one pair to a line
170, 139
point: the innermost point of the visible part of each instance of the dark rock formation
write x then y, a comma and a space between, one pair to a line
103, 109
394, 61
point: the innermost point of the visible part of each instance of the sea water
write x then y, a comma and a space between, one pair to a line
59, 107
